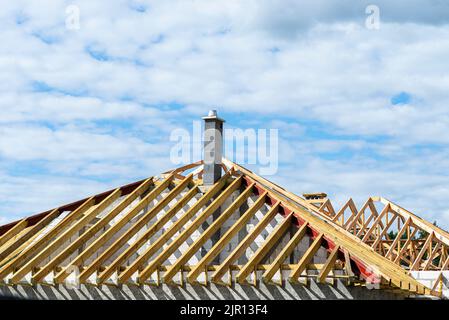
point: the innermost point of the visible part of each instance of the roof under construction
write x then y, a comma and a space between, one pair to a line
116, 237
221, 224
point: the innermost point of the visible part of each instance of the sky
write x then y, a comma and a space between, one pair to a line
361, 111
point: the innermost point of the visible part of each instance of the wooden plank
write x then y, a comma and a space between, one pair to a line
243, 197
22, 224
263, 250
360, 253
432, 256
61, 239
374, 215
417, 263
349, 204
69, 207
18, 245
306, 258
439, 233
245, 243
384, 231
352, 223
28, 253
272, 186
97, 244
330, 209
115, 265
398, 238
286, 251
445, 264
183, 236
184, 168
405, 247
348, 267
125, 275
329, 265
224, 239
88, 234
376, 223
135, 228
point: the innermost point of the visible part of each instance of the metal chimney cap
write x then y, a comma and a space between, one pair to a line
213, 116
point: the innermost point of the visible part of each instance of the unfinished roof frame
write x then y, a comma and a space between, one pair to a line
357, 243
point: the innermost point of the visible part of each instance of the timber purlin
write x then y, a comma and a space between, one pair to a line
144, 237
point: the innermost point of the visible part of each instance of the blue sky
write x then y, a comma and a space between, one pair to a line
360, 112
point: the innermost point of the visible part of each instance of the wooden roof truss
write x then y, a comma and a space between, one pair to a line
171, 229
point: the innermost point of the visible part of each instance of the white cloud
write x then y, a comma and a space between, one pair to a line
311, 69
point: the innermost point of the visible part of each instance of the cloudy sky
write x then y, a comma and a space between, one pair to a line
360, 110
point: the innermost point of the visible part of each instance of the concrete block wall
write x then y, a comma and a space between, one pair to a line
428, 278
288, 291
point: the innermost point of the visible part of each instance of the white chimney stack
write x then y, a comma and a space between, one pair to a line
213, 148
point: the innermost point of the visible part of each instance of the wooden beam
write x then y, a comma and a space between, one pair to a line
286, 251
348, 267
31, 251
374, 214
432, 256
22, 224
384, 230
212, 229
329, 265
218, 247
243, 197
445, 264
59, 241
97, 244
184, 168
263, 250
84, 238
115, 265
376, 223
33, 230
439, 233
175, 227
349, 204
406, 245
69, 207
134, 229
352, 223
361, 254
398, 238
245, 243
306, 258
183, 236
416, 264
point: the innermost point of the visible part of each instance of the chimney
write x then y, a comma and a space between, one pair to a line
213, 148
